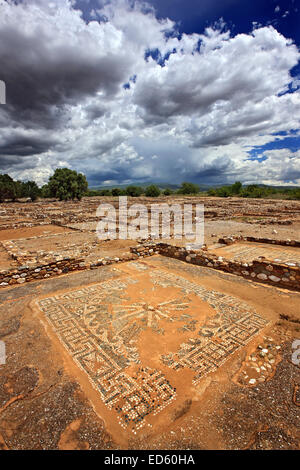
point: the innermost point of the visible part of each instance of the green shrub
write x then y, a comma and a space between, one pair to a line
188, 188
152, 191
167, 192
134, 191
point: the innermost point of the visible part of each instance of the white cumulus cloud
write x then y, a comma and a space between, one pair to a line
124, 97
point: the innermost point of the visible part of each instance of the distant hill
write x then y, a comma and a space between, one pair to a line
162, 186
141, 185
174, 187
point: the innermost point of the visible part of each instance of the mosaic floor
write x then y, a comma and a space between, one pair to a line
104, 327
248, 252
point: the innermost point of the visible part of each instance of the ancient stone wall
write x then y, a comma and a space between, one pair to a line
266, 271
22, 274
241, 238
17, 225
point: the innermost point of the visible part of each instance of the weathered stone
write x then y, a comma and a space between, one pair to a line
274, 278
262, 276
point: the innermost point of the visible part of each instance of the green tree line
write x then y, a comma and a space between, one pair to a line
12, 190
255, 191
66, 184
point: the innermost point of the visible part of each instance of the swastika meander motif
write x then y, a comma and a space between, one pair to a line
100, 326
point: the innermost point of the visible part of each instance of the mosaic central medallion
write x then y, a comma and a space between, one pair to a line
131, 335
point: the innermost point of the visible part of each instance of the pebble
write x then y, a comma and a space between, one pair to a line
274, 278
262, 276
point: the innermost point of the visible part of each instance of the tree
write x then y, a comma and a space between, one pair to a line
152, 191
30, 189
116, 192
134, 191
223, 191
7, 188
188, 188
19, 189
104, 192
10, 189
236, 187
295, 194
167, 192
67, 184
45, 191
91, 193
253, 190
212, 192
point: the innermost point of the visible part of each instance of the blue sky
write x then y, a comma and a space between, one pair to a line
292, 143
193, 16
164, 91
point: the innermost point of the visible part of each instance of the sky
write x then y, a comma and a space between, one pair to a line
163, 91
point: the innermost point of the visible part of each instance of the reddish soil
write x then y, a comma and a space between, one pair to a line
25, 232
190, 399
147, 318
249, 251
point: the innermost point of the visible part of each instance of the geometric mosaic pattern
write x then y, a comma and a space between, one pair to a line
240, 251
233, 326
100, 327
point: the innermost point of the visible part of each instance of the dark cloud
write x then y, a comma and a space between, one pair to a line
226, 136
19, 163
21, 146
95, 111
44, 73
193, 107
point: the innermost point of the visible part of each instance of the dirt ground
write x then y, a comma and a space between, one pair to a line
69, 228
47, 401
153, 353
73, 243
25, 232
249, 251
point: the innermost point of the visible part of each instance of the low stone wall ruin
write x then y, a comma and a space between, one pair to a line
240, 238
22, 274
266, 271
270, 272
17, 225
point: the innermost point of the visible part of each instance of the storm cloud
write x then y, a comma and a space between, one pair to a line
90, 95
